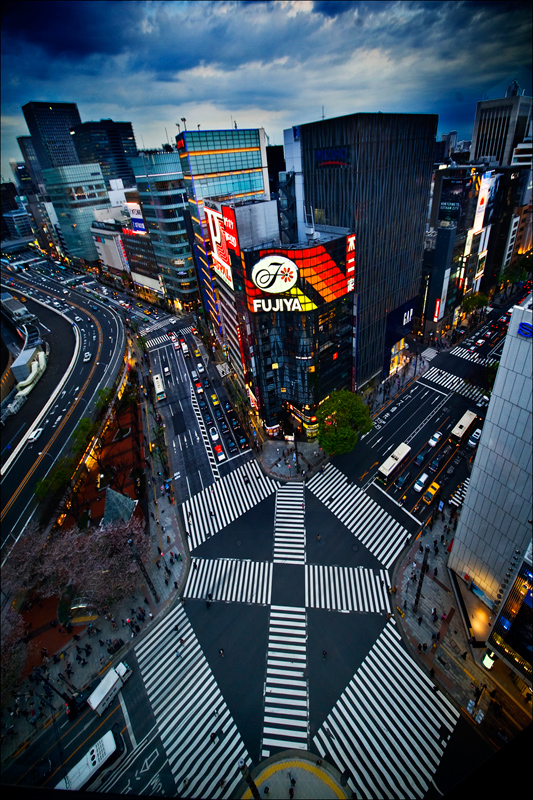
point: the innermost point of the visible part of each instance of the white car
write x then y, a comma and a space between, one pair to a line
87, 356
200, 368
421, 482
77, 319
213, 433
480, 342
435, 439
35, 435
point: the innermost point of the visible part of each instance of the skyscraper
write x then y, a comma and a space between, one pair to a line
49, 125
369, 174
32, 163
110, 144
499, 126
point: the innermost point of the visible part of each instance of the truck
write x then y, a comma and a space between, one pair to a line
185, 350
109, 687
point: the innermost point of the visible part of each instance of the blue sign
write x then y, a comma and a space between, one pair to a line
332, 157
525, 329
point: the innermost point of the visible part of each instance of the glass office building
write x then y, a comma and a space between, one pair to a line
165, 210
369, 173
49, 125
110, 144
225, 164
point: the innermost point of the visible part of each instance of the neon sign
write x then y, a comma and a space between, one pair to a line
275, 274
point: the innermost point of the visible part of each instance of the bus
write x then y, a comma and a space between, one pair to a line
159, 387
391, 466
464, 427
101, 755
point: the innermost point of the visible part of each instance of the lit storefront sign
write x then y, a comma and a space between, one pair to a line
481, 265
437, 307
350, 261
137, 220
223, 235
275, 274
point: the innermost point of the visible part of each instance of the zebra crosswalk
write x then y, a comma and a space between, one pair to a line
429, 353
222, 502
346, 588
381, 534
206, 439
286, 716
457, 498
183, 694
453, 382
388, 728
158, 340
477, 359
289, 525
230, 580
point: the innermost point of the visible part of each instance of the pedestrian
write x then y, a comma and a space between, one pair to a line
195, 565
419, 647
419, 620
443, 616
175, 584
431, 672
436, 571
178, 653
318, 537
213, 737
182, 641
150, 615
424, 647
158, 565
464, 655
216, 712
221, 653
166, 581
324, 654
291, 792
293, 782
101, 661
266, 790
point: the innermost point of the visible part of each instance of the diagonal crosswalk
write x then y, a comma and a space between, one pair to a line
184, 697
218, 505
381, 534
452, 382
346, 588
389, 729
230, 580
289, 525
286, 718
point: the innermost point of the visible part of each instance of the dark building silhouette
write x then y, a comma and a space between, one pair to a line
110, 144
49, 125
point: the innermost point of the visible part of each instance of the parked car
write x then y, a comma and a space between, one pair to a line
421, 482
213, 433
206, 383
220, 454
218, 413
232, 447
242, 442
199, 388
234, 423
224, 426
203, 406
227, 406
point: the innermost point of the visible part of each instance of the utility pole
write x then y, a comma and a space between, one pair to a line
249, 780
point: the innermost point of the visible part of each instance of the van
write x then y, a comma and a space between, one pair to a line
421, 482
194, 375
474, 439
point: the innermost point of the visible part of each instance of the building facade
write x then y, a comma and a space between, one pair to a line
32, 164
494, 530
500, 125
110, 144
76, 192
49, 125
370, 174
224, 164
166, 217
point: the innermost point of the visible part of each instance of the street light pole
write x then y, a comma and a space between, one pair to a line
249, 780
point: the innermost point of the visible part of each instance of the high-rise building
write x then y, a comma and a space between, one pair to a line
494, 530
499, 126
22, 177
165, 211
224, 164
32, 163
49, 125
75, 192
110, 144
370, 174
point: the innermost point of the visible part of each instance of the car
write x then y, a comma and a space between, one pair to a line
200, 367
42, 770
208, 419
213, 433
145, 311
56, 304
77, 319
224, 426
431, 493
421, 457
22, 299
199, 388
121, 303
77, 703
203, 406
197, 354
182, 341
487, 335
127, 305
194, 331
234, 423
471, 349
166, 371
206, 383
474, 439
232, 447
227, 406
35, 435
435, 464
242, 442
220, 454
402, 479
435, 439
218, 413
502, 319
139, 305
421, 482
94, 308
214, 400
480, 342
65, 291
87, 356
176, 346
155, 316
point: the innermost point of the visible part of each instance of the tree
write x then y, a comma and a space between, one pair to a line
13, 652
518, 270
340, 420
473, 301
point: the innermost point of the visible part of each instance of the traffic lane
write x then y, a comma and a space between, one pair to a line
144, 771
452, 474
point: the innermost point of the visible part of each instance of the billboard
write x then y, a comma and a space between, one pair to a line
299, 279
223, 236
483, 196
454, 199
137, 220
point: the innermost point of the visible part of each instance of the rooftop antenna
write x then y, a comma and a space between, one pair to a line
184, 121
179, 128
198, 126
322, 112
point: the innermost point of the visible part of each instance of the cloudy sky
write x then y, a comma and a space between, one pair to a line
262, 64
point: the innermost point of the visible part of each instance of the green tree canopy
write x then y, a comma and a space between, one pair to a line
474, 301
341, 418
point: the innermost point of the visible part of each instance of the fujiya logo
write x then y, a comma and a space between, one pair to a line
275, 274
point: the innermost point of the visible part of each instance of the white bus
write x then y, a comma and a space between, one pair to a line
159, 387
101, 755
391, 466
463, 429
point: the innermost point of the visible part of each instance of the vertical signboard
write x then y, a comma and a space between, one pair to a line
137, 220
350, 261
484, 191
219, 248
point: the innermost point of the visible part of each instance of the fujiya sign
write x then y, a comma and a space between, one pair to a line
277, 304
275, 274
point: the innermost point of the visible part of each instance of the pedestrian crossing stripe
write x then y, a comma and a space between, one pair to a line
483, 361
289, 525
150, 343
216, 506
388, 759
286, 709
179, 690
230, 580
454, 383
457, 498
381, 534
207, 441
429, 353
346, 588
